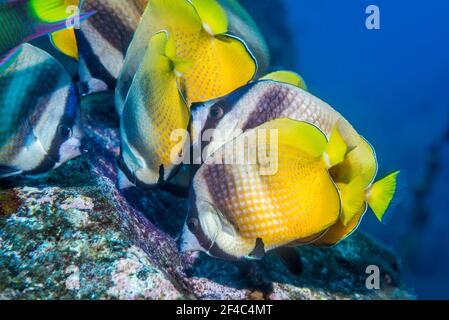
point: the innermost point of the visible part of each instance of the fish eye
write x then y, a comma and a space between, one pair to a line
216, 112
193, 224
65, 131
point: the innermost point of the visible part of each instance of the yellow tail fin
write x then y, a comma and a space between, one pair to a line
352, 199
65, 41
336, 149
381, 193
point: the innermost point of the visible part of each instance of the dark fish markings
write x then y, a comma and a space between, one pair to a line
221, 186
93, 62
271, 105
110, 25
35, 100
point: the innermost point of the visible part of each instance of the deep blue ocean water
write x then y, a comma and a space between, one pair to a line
392, 84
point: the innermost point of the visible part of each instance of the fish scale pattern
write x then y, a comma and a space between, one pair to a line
160, 109
279, 208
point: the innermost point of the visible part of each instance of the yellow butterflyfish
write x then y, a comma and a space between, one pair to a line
219, 62
237, 212
353, 168
153, 110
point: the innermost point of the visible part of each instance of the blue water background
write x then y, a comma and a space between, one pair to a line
392, 84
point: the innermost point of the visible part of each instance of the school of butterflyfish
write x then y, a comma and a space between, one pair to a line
194, 66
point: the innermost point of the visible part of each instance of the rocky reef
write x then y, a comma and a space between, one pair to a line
73, 235
83, 239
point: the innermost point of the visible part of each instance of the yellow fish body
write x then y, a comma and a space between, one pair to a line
153, 110
243, 26
219, 62
239, 209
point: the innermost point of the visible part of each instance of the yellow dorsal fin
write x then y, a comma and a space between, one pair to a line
336, 149
381, 193
65, 41
52, 10
299, 134
289, 77
212, 15
352, 198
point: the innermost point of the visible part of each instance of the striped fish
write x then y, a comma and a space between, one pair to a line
104, 39
39, 108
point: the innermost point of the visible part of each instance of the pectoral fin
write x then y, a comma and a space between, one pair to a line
336, 149
299, 134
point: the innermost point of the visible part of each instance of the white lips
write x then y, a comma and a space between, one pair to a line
189, 242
